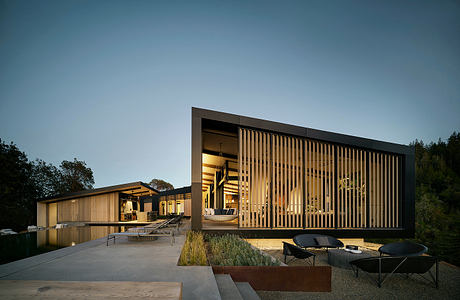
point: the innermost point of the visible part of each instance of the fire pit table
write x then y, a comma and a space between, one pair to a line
341, 258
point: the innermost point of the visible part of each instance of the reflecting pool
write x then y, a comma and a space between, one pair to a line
18, 246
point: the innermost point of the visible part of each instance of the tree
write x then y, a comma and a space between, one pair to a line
75, 176
46, 178
161, 185
17, 190
22, 183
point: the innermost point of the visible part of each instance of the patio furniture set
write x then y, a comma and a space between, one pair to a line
166, 228
395, 258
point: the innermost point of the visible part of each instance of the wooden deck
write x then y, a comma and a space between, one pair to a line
38, 289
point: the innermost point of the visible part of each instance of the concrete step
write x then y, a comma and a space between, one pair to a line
227, 288
246, 291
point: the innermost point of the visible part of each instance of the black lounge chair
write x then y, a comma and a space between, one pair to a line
297, 252
405, 248
317, 241
397, 265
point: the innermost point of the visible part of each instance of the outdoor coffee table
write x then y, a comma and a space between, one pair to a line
341, 258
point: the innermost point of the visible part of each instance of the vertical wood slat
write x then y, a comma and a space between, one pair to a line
257, 181
334, 162
375, 191
361, 185
284, 182
380, 183
321, 170
278, 197
301, 187
273, 214
240, 178
393, 192
347, 193
251, 180
273, 207
365, 188
264, 180
316, 221
328, 186
385, 188
289, 187
244, 184
397, 191
355, 194
339, 190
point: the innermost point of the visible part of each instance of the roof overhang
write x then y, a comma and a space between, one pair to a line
315, 134
137, 188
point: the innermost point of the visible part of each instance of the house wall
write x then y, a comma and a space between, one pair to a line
147, 206
99, 208
168, 204
42, 215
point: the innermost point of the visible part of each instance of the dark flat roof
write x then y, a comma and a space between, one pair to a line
182, 190
321, 135
142, 188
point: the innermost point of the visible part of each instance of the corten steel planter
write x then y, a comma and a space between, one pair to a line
280, 278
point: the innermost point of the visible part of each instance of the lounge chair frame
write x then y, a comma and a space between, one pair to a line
381, 277
153, 231
297, 253
140, 235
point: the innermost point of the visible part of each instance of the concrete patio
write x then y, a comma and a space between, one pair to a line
142, 261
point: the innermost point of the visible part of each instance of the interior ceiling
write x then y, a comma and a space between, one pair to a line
213, 163
220, 143
139, 191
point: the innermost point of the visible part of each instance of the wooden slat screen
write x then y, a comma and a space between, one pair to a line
351, 202
319, 178
384, 190
290, 182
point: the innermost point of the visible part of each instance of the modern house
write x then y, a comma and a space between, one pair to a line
107, 204
174, 201
283, 179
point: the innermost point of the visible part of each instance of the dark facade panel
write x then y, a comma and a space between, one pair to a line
208, 117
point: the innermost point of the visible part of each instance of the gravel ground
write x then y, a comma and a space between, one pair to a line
346, 286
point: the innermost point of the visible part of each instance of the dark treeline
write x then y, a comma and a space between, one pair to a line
23, 182
437, 203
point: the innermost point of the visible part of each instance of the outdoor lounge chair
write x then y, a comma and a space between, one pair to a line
297, 252
405, 248
397, 265
317, 241
140, 235
155, 230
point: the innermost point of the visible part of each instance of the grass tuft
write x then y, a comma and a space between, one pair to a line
194, 250
231, 250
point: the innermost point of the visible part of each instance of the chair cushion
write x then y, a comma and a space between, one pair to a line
322, 241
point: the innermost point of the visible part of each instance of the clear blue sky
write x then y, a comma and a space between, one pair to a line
113, 82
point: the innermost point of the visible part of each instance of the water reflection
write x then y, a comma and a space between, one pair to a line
19, 246
70, 236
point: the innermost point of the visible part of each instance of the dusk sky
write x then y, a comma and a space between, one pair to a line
113, 82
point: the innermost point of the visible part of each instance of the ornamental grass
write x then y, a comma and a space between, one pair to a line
194, 250
231, 250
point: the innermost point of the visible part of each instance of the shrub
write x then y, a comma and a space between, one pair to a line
194, 250
231, 250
